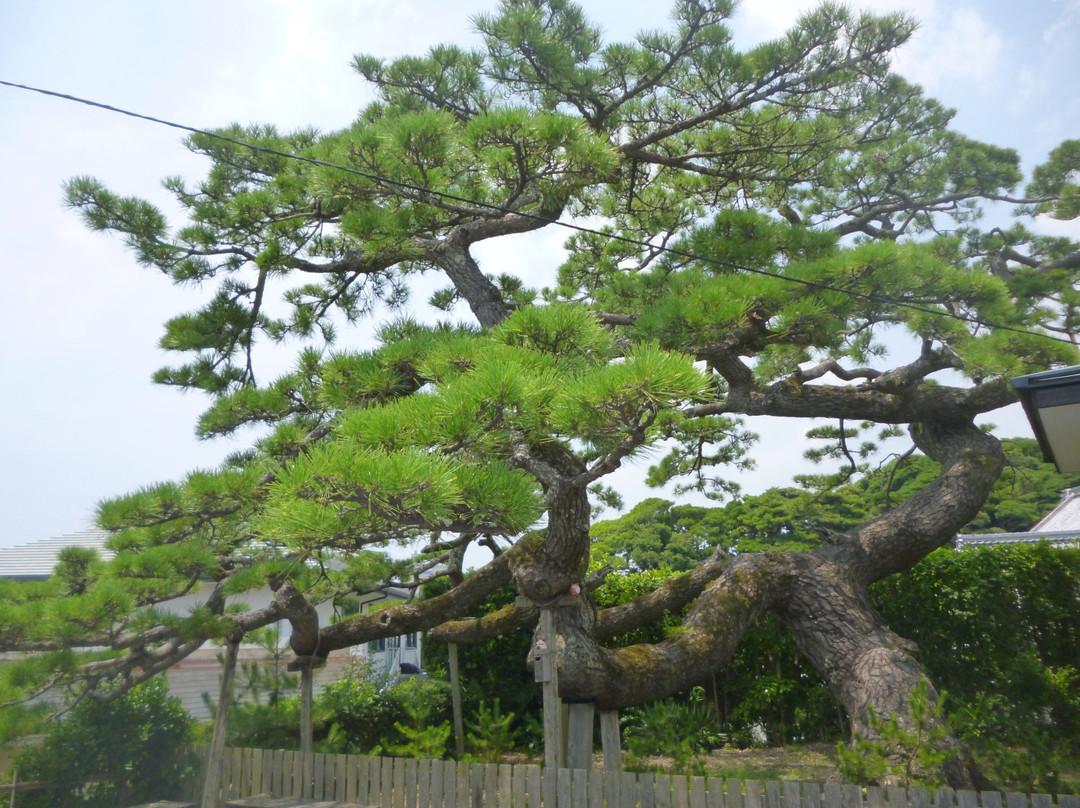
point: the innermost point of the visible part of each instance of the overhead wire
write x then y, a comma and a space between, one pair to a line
641, 243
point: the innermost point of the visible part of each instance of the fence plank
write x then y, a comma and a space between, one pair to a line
945, 797
301, 782
536, 790
596, 789
520, 786
851, 796
450, 785
772, 794
435, 798
833, 797
662, 790
646, 796
374, 781
966, 798
386, 780
506, 794
734, 796
579, 787
244, 783
812, 796
423, 783
257, 757
628, 790
875, 797
680, 791
397, 783
792, 797
463, 786
752, 799
318, 775
1068, 801
1042, 801
697, 792
897, 797
490, 782
563, 789
1014, 800
991, 799
341, 777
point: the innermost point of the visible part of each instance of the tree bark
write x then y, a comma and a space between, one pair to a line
212, 781
822, 597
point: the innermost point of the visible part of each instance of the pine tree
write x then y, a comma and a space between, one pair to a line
768, 218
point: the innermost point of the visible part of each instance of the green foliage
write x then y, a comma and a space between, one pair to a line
999, 628
494, 670
424, 738
361, 714
107, 753
768, 687
491, 734
905, 756
655, 533
680, 729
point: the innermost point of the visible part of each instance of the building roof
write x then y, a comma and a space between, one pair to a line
1066, 516
1060, 527
38, 558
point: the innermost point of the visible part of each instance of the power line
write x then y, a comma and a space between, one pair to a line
641, 243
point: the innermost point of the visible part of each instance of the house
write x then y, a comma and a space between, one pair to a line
199, 673
1061, 527
391, 657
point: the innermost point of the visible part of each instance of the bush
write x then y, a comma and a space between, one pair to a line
360, 713
128, 748
681, 730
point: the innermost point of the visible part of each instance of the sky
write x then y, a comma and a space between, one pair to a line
80, 420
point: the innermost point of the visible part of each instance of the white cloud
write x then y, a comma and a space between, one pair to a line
1048, 226
957, 46
1069, 18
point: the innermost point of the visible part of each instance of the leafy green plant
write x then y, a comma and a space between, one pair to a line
358, 711
103, 754
492, 733
904, 756
1024, 753
423, 701
680, 730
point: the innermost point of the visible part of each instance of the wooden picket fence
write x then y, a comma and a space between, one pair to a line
405, 783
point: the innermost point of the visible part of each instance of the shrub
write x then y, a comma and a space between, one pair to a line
681, 730
361, 713
103, 754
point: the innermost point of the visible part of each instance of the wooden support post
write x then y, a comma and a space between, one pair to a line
307, 676
455, 700
579, 736
609, 740
547, 673
212, 783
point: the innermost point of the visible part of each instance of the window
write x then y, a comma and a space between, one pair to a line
410, 640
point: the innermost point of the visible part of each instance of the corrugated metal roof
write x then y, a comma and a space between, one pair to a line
37, 559
1058, 538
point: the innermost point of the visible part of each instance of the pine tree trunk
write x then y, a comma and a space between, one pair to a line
868, 666
212, 781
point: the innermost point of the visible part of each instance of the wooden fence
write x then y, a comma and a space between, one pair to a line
406, 783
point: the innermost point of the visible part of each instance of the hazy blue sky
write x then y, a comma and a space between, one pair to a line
79, 320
